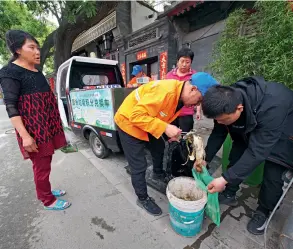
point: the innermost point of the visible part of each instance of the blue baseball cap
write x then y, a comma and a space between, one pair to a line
203, 81
136, 69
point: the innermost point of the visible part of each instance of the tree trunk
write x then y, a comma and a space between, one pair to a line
67, 32
45, 50
63, 45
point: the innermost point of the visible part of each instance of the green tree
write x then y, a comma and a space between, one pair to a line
73, 17
258, 43
15, 15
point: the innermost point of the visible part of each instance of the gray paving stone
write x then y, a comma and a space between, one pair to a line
150, 243
232, 232
215, 243
100, 217
204, 246
237, 212
162, 225
280, 216
223, 232
273, 241
243, 240
251, 203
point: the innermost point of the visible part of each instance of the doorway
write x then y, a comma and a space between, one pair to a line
149, 66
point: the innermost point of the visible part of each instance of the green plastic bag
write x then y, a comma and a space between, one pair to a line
69, 148
213, 207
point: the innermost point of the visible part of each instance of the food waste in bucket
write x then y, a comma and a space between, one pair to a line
186, 206
203, 178
188, 197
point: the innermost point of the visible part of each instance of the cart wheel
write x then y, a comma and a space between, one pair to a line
99, 149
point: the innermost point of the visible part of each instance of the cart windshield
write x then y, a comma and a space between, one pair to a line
83, 75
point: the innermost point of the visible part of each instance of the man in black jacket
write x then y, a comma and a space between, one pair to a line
258, 115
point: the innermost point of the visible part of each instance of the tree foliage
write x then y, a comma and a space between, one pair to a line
15, 15
258, 43
73, 17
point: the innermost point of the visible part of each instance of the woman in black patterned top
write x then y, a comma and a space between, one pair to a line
33, 111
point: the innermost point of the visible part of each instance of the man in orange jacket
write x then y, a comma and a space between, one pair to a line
138, 73
144, 116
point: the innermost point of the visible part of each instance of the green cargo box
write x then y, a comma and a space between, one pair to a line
97, 107
257, 175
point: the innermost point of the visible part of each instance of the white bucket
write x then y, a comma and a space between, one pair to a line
180, 189
186, 206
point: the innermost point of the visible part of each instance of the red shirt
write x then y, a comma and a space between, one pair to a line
172, 75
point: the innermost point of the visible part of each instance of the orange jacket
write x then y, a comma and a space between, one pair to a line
149, 109
133, 80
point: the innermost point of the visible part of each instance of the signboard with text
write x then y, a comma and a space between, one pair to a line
141, 55
142, 80
93, 107
163, 65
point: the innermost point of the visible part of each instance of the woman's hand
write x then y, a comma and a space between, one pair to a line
198, 116
29, 144
198, 113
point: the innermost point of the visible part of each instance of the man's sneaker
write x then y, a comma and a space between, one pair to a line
150, 206
257, 223
228, 199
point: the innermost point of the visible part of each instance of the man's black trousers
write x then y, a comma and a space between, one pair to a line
134, 151
271, 188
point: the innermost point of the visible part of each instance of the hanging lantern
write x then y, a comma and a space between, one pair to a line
107, 42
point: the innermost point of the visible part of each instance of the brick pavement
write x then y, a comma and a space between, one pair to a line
231, 234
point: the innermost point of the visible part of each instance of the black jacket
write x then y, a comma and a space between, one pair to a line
268, 133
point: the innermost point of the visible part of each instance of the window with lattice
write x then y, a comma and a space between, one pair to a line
143, 38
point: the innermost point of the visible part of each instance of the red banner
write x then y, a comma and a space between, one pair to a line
141, 55
123, 72
163, 65
52, 84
